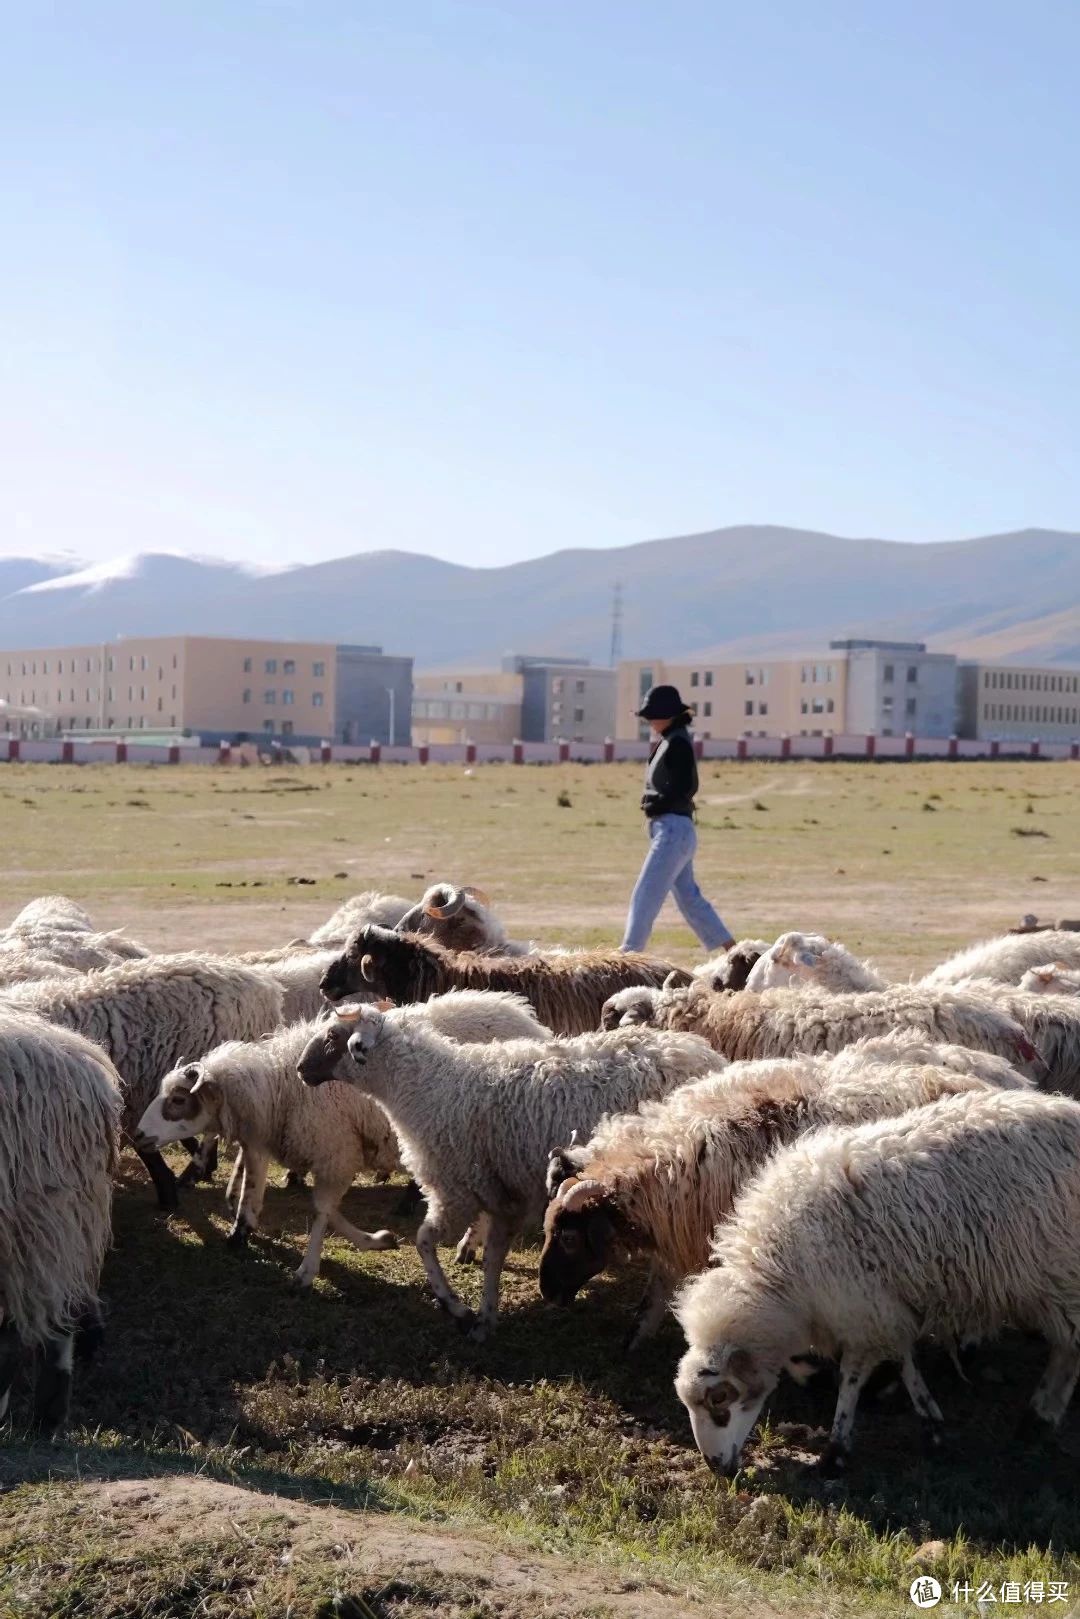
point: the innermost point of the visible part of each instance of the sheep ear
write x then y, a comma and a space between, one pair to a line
560, 1169
385, 1005
207, 1088
367, 969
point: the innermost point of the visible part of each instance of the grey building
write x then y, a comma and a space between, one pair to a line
897, 686
564, 698
373, 696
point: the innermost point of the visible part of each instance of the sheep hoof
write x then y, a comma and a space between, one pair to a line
464, 1253
385, 1239
238, 1236
302, 1278
467, 1322
191, 1176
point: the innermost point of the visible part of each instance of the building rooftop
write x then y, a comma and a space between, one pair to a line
856, 644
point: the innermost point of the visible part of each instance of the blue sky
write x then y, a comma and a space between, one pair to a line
287, 280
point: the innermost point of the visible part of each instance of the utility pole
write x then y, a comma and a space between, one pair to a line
616, 623
389, 690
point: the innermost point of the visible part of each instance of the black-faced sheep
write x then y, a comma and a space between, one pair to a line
952, 1221
567, 991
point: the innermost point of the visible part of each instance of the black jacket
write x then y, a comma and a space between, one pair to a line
671, 779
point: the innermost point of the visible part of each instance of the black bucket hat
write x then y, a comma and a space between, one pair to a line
661, 703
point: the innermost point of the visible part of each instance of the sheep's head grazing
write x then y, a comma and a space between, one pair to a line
579, 1232
723, 1389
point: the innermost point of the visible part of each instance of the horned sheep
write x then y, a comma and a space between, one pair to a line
477, 1123
60, 1101
460, 919
151, 1016
567, 991
952, 1221
658, 1181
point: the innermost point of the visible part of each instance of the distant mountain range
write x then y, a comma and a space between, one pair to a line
731, 592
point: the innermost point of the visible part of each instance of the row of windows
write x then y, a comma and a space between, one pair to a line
699, 677
436, 708
557, 714
92, 666
888, 673
1013, 680
910, 706
288, 667
1040, 713
817, 674
705, 710
817, 705
558, 686
762, 708
288, 698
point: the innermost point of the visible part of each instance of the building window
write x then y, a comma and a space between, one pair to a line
286, 728
579, 716
288, 667
829, 706
579, 687
694, 677
805, 707
708, 677
142, 665
269, 698
271, 666
887, 674
707, 710
247, 695
159, 705
912, 673
268, 725
247, 666
557, 686
318, 670
316, 699
763, 708
44, 666
287, 697
748, 676
748, 707
142, 694
911, 706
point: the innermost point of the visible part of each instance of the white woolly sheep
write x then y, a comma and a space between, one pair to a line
1051, 978
795, 960
386, 910
784, 1022
60, 1102
952, 1221
1007, 959
151, 1016
460, 919
53, 911
658, 1181
15, 968
476, 1123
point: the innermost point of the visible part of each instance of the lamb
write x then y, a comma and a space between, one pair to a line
567, 991
460, 919
1007, 959
783, 1022
60, 1101
249, 1092
476, 1123
1052, 978
151, 1016
370, 906
658, 1181
952, 1221
731, 968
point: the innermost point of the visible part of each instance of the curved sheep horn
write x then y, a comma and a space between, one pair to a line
347, 1014
367, 968
478, 895
577, 1195
411, 921
672, 981
443, 913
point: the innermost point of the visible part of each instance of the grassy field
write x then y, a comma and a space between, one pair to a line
241, 1448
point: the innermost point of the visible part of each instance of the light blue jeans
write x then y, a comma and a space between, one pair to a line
669, 869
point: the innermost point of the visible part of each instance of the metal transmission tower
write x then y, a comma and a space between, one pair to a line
616, 623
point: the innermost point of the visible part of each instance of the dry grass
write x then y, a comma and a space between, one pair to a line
360, 1394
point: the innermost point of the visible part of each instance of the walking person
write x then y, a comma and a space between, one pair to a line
671, 781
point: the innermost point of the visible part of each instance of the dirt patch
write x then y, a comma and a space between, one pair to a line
376, 1564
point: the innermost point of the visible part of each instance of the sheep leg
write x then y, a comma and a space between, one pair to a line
308, 1269
235, 1189
651, 1309
498, 1235
926, 1407
427, 1247
1056, 1385
10, 1351
475, 1238
855, 1368
204, 1157
256, 1168
52, 1391
366, 1241
163, 1178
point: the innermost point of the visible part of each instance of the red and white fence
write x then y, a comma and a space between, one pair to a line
55, 750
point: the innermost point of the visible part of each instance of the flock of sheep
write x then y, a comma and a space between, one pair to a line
817, 1165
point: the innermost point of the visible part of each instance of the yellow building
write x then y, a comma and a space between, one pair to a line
304, 690
760, 697
483, 706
